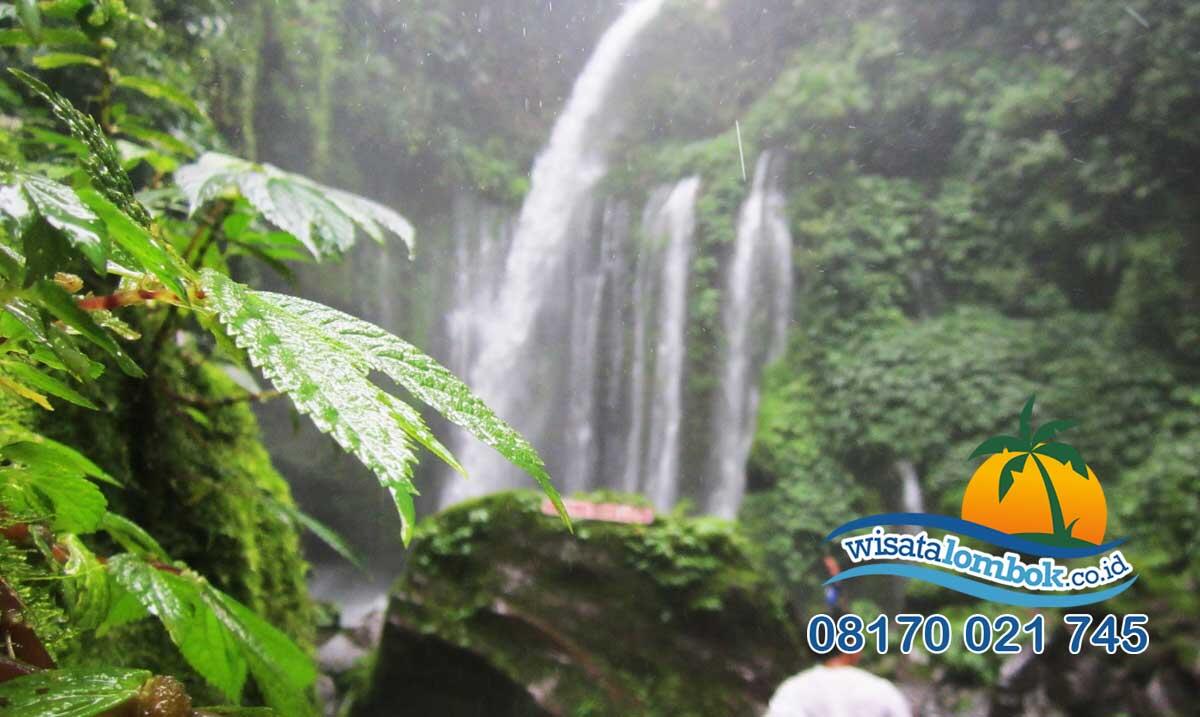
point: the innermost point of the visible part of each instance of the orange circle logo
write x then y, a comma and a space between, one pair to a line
1036, 487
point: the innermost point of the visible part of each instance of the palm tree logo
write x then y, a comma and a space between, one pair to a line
1064, 479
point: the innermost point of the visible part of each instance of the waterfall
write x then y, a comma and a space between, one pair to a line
676, 222
587, 295
514, 370
755, 317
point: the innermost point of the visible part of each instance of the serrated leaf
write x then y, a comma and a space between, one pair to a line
431, 383
102, 163
59, 206
324, 219
157, 90
220, 637
176, 601
371, 215
151, 255
283, 673
55, 60
70, 693
62, 306
47, 383
997, 444
278, 330
1014, 465
326, 379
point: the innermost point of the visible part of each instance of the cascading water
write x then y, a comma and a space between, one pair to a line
677, 223
513, 371
756, 313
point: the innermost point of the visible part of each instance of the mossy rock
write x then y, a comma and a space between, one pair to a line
672, 618
196, 476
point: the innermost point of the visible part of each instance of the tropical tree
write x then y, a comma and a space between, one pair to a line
1036, 443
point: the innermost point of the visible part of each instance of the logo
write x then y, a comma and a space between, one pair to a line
1031, 506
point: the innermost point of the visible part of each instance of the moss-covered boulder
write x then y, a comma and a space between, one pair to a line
502, 606
197, 477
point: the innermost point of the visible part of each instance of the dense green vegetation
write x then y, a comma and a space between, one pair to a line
115, 247
988, 200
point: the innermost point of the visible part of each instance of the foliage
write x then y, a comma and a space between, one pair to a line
70, 693
79, 246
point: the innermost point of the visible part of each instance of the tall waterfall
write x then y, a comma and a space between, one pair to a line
513, 371
756, 312
676, 222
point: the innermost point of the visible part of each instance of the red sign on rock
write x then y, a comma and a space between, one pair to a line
609, 512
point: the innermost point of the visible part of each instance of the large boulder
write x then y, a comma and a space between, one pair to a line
503, 612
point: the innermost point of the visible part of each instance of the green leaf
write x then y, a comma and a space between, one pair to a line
59, 205
322, 357
157, 90
131, 536
151, 255
326, 379
176, 601
50, 36
70, 693
55, 60
434, 385
86, 589
324, 219
30, 16
327, 535
102, 162
1015, 465
25, 392
161, 140
34, 450
51, 338
220, 637
283, 673
998, 444
1050, 429
46, 383
1027, 420
63, 307
1064, 453
46, 252
71, 503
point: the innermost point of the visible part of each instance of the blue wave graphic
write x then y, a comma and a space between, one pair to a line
977, 531
983, 591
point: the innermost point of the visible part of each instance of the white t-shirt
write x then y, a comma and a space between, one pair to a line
837, 692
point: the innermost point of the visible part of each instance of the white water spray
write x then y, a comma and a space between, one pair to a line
564, 176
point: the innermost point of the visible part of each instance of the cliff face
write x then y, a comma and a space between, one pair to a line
665, 619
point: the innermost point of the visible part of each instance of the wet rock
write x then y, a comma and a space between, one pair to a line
503, 612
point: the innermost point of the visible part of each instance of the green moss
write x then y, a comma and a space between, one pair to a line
669, 618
